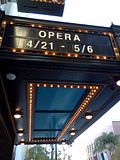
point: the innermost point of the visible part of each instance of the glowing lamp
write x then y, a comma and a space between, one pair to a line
17, 114
20, 132
72, 132
118, 82
88, 115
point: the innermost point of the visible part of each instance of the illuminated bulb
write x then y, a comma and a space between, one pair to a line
110, 34
20, 132
116, 54
38, 85
4, 22
0, 38
78, 86
80, 110
104, 57
104, 33
65, 86
22, 50
58, 85
51, 85
11, 22
22, 141
71, 86
31, 84
17, 114
88, 115
68, 55
97, 57
76, 55
84, 87
14, 50
118, 82
32, 25
53, 54
46, 53
45, 85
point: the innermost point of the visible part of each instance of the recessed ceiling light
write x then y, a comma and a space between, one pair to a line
20, 132
10, 76
88, 115
118, 82
72, 132
17, 114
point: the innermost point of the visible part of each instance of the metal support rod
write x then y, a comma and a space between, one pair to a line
52, 151
55, 151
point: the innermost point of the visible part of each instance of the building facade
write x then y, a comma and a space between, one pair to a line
104, 155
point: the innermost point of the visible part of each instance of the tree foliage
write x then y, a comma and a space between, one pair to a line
116, 154
107, 141
36, 153
41, 153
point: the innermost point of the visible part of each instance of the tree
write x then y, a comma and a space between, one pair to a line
63, 156
41, 153
107, 141
59, 154
36, 153
116, 154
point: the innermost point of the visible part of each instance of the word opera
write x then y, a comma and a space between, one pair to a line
59, 35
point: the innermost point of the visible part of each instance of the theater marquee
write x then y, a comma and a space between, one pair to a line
56, 40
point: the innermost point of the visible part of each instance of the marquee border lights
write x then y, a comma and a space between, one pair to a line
60, 2
47, 53
94, 89
44, 140
73, 55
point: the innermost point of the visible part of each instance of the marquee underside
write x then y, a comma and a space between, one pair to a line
54, 88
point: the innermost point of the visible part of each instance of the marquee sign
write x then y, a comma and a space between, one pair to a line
53, 40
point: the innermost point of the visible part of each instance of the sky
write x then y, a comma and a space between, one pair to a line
89, 12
